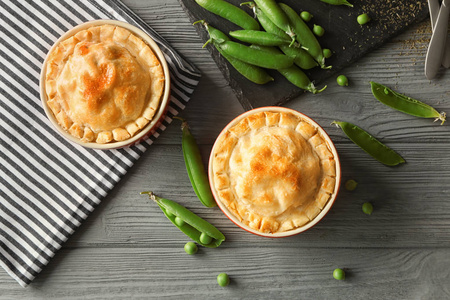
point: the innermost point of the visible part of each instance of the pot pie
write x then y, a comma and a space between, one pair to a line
274, 171
103, 84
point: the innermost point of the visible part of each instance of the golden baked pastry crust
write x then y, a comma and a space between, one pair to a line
274, 171
103, 84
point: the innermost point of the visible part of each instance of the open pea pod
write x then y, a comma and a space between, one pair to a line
404, 103
188, 222
304, 35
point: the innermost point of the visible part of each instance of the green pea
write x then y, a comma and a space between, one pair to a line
339, 274
306, 16
223, 279
253, 73
404, 103
350, 185
294, 74
370, 145
205, 239
304, 35
367, 208
363, 19
301, 57
193, 226
230, 12
342, 80
190, 248
338, 2
318, 30
179, 221
327, 53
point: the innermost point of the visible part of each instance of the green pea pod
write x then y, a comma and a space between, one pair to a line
256, 57
277, 16
370, 145
304, 35
301, 57
253, 73
404, 103
295, 75
262, 38
195, 168
230, 12
338, 2
192, 225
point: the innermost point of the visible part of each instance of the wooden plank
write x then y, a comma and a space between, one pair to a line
411, 209
142, 273
127, 249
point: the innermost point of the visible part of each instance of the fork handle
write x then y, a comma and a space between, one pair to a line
436, 49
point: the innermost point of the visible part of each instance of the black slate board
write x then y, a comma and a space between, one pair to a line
344, 36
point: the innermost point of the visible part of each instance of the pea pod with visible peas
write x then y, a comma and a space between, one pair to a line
370, 145
301, 58
338, 2
404, 103
251, 72
195, 168
304, 35
230, 12
295, 75
192, 225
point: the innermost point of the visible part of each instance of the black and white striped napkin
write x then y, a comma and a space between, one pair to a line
48, 186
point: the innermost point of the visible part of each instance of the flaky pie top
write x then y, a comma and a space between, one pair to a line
274, 171
103, 84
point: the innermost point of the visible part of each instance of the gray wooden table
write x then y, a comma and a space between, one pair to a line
127, 249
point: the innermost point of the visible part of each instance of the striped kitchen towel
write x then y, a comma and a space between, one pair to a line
47, 185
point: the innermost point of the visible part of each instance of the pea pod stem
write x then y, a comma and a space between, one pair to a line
193, 226
194, 166
370, 144
230, 12
404, 103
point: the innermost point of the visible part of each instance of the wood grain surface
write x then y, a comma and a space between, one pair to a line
126, 249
